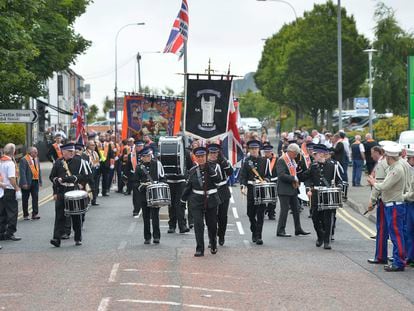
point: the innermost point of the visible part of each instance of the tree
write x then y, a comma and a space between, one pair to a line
254, 104
37, 39
107, 105
92, 113
299, 64
390, 71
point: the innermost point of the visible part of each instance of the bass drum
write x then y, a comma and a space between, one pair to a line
172, 155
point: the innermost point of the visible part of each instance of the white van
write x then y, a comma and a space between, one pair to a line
407, 139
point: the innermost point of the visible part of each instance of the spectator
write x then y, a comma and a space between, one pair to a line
30, 180
368, 144
358, 157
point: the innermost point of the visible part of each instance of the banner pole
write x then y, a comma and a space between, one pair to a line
185, 93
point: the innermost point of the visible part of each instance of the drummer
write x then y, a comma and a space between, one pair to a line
149, 171
66, 174
255, 169
322, 173
269, 154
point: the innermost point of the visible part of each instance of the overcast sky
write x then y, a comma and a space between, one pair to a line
227, 31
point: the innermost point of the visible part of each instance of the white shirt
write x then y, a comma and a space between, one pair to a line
7, 171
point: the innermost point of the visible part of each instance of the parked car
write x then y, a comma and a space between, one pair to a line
407, 139
251, 124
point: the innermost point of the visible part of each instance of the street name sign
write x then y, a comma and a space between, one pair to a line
18, 116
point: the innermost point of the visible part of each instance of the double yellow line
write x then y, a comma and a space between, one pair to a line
43, 201
359, 226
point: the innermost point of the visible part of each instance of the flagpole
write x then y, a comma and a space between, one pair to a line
185, 90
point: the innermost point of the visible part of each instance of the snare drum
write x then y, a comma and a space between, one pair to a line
76, 202
265, 193
158, 195
328, 198
345, 186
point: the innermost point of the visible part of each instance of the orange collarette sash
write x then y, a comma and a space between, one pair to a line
33, 167
291, 166
57, 149
306, 155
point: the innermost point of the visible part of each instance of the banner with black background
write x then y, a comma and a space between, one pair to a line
206, 111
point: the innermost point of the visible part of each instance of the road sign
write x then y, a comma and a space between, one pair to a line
18, 116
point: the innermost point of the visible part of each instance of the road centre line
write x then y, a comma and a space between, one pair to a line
235, 214
103, 305
180, 287
114, 271
173, 303
369, 230
232, 200
184, 272
240, 227
344, 218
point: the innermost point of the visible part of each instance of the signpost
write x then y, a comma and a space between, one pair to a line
410, 83
18, 116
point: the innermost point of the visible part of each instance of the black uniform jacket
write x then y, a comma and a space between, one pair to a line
224, 170
200, 190
145, 173
262, 166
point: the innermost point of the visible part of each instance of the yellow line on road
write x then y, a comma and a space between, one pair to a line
347, 220
43, 201
370, 231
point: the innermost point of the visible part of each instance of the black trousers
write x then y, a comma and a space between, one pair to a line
222, 211
60, 219
120, 182
8, 213
136, 201
271, 209
95, 189
288, 202
323, 223
34, 192
104, 174
151, 214
111, 173
210, 215
255, 214
176, 211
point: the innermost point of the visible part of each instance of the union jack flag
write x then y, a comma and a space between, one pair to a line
179, 32
78, 119
232, 146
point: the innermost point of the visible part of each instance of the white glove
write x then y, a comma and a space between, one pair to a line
18, 195
112, 167
116, 158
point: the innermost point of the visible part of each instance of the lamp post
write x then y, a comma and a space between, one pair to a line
139, 57
339, 18
370, 52
285, 2
116, 75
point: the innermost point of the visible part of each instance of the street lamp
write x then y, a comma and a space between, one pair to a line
139, 57
285, 2
116, 75
339, 19
370, 52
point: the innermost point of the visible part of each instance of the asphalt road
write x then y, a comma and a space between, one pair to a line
114, 270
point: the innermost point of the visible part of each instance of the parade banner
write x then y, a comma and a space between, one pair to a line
207, 108
157, 116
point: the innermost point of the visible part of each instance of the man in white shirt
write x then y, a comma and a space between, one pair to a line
8, 192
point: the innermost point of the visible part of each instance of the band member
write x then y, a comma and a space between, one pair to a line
134, 159
287, 189
117, 163
321, 173
392, 189
255, 169
54, 150
30, 180
203, 199
149, 171
127, 146
66, 175
104, 149
110, 139
381, 239
224, 170
95, 166
269, 154
409, 198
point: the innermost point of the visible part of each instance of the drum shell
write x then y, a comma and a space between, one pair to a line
328, 198
76, 202
265, 193
158, 195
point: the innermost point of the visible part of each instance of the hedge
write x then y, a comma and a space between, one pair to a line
12, 133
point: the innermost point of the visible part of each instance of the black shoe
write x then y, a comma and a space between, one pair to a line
95, 204
156, 241
327, 246
78, 243
147, 242
65, 237
213, 250
376, 261
185, 230
272, 217
283, 235
119, 191
105, 195
171, 230
35, 217
392, 268
127, 193
254, 239
221, 240
12, 238
198, 254
301, 232
319, 243
191, 227
55, 242
374, 237
259, 242
332, 238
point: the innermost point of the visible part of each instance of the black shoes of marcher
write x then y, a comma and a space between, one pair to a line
254, 239
283, 235
301, 232
392, 268
221, 240
191, 226
213, 250
171, 230
156, 241
198, 254
147, 242
65, 237
35, 217
259, 242
105, 195
185, 230
55, 242
12, 238
376, 261
319, 243
327, 246
95, 204
78, 243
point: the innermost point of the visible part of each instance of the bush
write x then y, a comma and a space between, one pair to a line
12, 133
390, 128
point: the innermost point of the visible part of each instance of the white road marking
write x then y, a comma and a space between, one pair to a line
173, 303
180, 287
183, 272
231, 190
231, 225
232, 200
235, 214
240, 227
132, 227
114, 271
247, 244
103, 306
122, 245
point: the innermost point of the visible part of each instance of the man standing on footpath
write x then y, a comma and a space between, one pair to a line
30, 181
358, 158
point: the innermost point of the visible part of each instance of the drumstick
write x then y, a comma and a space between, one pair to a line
257, 174
366, 212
